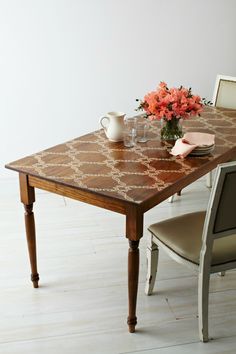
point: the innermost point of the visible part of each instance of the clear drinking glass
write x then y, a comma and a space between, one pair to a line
129, 132
142, 127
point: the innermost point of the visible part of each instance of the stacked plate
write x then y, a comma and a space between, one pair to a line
204, 142
202, 150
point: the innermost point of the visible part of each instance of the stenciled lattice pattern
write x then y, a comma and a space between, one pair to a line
93, 163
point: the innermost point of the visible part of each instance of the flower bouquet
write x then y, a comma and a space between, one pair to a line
171, 105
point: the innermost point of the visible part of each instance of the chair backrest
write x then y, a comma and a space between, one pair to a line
220, 218
225, 92
221, 212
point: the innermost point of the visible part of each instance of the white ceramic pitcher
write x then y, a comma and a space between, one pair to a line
114, 125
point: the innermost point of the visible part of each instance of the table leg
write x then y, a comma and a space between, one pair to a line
31, 241
28, 198
133, 273
134, 231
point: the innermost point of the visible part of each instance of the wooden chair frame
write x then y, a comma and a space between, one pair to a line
219, 80
204, 268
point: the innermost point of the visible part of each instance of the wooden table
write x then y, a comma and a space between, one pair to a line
128, 181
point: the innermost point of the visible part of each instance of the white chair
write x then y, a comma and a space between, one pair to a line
204, 241
224, 96
225, 92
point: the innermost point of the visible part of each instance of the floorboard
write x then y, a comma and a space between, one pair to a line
81, 304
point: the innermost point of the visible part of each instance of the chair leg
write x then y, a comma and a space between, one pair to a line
171, 199
152, 261
209, 179
203, 299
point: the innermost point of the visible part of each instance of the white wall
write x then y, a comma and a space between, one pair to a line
64, 63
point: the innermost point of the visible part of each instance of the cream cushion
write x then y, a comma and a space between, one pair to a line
183, 235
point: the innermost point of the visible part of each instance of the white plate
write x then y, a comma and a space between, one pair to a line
204, 147
207, 151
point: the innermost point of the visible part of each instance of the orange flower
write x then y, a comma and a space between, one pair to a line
171, 103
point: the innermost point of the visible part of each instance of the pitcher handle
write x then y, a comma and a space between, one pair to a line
104, 126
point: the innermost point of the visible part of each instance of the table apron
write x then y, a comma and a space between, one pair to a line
101, 201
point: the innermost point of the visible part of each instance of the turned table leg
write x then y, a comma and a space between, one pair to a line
134, 231
31, 242
28, 198
133, 273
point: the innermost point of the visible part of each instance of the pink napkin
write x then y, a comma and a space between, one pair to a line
190, 141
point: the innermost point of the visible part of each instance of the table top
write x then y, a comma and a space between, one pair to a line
93, 163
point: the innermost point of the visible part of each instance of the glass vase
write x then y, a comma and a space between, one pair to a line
171, 129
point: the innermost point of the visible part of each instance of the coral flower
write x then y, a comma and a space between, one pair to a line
173, 103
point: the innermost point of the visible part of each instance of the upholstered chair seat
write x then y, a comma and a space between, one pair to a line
183, 235
205, 241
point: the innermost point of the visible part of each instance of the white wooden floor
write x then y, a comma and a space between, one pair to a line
81, 305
